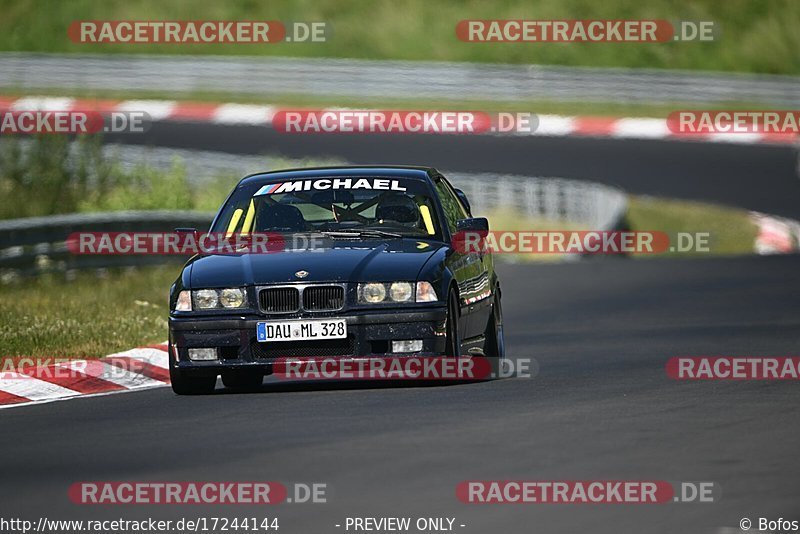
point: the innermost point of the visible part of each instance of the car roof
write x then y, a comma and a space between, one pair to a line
403, 171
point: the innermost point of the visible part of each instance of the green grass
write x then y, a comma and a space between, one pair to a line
48, 178
754, 36
731, 230
504, 219
89, 316
507, 220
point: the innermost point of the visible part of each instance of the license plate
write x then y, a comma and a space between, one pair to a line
301, 330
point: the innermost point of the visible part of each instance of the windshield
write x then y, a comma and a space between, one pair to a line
363, 207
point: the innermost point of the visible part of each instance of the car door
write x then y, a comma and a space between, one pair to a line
468, 268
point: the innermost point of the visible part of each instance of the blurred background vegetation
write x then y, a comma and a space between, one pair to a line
752, 36
50, 174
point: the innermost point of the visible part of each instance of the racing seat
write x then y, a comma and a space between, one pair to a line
280, 218
398, 208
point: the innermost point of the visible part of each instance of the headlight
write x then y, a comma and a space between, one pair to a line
401, 291
372, 293
209, 299
184, 302
206, 299
426, 293
231, 298
396, 292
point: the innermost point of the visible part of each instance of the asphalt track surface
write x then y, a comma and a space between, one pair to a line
600, 407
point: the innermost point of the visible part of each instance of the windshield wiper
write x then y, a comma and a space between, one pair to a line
344, 234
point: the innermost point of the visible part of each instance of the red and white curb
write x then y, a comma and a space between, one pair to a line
776, 235
251, 114
135, 369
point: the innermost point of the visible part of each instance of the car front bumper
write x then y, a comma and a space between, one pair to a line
369, 334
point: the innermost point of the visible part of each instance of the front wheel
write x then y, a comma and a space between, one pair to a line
191, 385
495, 339
453, 340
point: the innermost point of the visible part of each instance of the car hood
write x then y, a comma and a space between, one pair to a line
354, 261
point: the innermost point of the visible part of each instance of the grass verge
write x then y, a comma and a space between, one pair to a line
751, 36
730, 230
87, 316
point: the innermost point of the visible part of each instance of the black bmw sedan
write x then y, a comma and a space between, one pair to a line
367, 268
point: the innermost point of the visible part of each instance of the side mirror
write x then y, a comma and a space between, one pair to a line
462, 196
475, 224
470, 236
184, 234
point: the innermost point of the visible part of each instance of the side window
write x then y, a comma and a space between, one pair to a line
461, 206
453, 210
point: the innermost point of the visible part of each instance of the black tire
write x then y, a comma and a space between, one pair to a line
191, 385
495, 346
453, 339
242, 379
